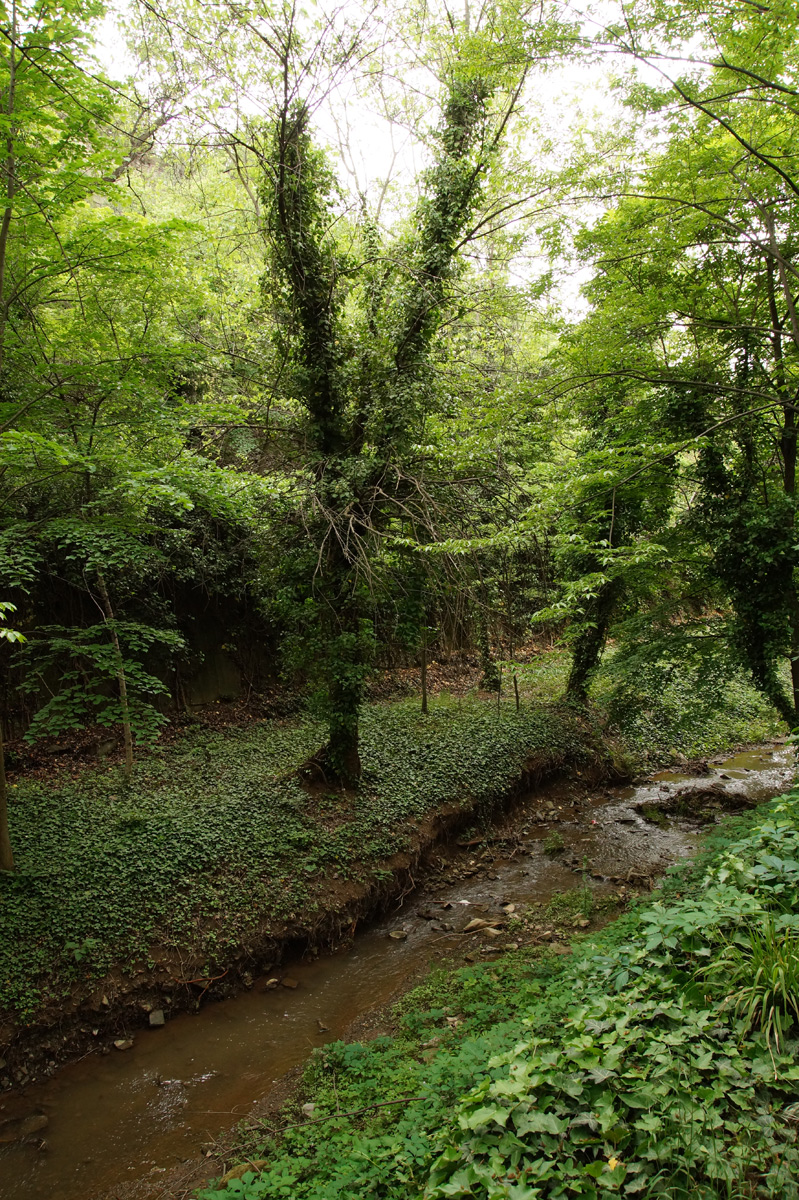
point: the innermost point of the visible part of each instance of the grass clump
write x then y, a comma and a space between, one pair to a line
553, 843
757, 972
574, 904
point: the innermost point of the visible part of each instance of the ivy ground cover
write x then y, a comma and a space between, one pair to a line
218, 836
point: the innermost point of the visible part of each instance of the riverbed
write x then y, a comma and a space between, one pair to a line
123, 1125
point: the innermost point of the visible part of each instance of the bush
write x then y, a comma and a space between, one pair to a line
666, 701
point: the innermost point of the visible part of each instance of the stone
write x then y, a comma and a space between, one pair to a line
123, 1043
288, 982
157, 1018
271, 984
33, 1124
308, 1110
399, 935
510, 946
16, 1129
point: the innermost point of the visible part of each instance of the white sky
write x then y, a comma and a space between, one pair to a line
561, 100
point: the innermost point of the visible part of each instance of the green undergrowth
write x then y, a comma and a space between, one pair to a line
627, 1069
661, 705
216, 836
666, 706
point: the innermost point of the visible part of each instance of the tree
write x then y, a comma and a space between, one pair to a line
6, 853
99, 304
693, 331
355, 335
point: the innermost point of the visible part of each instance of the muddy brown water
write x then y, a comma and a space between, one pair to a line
132, 1117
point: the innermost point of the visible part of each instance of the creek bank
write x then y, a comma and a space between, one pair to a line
480, 765
132, 1125
555, 1072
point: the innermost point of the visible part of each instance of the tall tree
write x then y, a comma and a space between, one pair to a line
357, 337
694, 326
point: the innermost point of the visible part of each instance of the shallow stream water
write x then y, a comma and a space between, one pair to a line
121, 1126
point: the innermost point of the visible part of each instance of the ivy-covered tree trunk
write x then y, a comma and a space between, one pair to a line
788, 450
307, 264
363, 409
590, 642
347, 661
753, 525
6, 853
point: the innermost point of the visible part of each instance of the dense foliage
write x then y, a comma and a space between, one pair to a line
354, 419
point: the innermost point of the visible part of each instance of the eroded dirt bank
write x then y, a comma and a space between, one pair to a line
139, 1122
122, 1004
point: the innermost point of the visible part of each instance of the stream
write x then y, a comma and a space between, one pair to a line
123, 1126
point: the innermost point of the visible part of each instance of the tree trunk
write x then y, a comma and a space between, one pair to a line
424, 672
490, 680
788, 450
108, 612
590, 643
9, 167
342, 753
6, 854
789, 483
